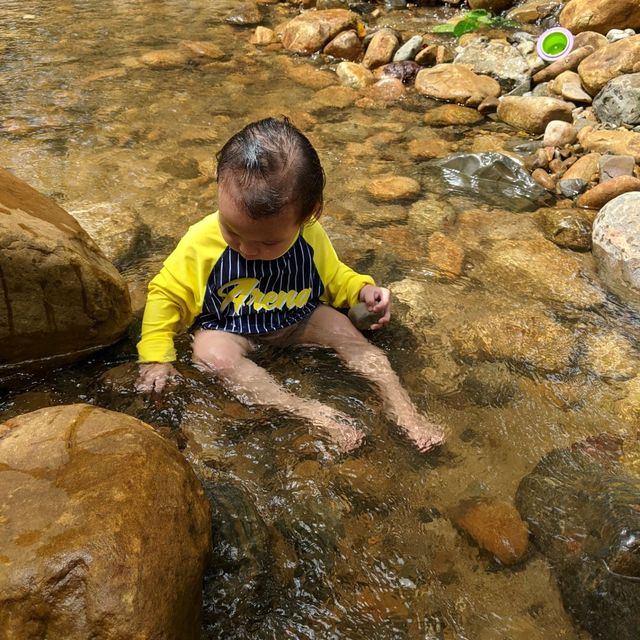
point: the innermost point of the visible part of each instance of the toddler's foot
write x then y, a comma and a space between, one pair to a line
338, 426
422, 432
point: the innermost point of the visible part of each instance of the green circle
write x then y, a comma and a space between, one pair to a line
555, 43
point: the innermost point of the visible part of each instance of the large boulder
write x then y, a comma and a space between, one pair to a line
61, 297
312, 30
616, 246
600, 15
106, 530
616, 59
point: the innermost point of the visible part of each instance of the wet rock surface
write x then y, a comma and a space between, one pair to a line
106, 528
582, 509
62, 297
491, 176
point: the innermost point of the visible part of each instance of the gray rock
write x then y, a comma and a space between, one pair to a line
409, 49
616, 246
619, 101
361, 317
614, 166
613, 35
500, 61
572, 187
494, 178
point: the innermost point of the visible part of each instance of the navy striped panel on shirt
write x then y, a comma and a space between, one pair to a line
261, 296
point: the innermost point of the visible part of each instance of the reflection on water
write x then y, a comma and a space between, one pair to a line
356, 547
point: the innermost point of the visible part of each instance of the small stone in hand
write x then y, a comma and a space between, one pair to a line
362, 318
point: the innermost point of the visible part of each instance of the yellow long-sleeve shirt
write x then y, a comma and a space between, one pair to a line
205, 283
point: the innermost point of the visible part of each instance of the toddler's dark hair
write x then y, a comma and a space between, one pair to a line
272, 165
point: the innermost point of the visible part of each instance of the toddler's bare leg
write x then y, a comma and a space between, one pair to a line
330, 328
225, 355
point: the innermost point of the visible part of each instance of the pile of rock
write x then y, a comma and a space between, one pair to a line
585, 104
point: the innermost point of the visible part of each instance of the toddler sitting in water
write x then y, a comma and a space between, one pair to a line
262, 270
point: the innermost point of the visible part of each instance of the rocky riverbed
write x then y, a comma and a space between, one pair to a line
496, 196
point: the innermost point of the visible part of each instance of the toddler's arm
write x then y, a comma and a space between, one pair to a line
377, 299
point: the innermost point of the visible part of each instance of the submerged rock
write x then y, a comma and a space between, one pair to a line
583, 510
492, 177
240, 579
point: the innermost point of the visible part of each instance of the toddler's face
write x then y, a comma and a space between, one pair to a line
256, 239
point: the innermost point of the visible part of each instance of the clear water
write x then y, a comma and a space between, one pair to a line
379, 555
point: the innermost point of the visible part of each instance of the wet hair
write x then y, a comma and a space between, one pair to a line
271, 164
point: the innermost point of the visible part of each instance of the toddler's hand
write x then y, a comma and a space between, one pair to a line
377, 299
154, 377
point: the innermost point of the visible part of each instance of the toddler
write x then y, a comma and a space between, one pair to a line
262, 270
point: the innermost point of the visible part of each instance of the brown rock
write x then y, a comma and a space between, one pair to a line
599, 195
600, 15
545, 180
426, 148
533, 10
567, 228
351, 74
488, 105
381, 605
381, 49
589, 38
456, 83
339, 97
386, 90
392, 187
106, 529
533, 114
610, 62
585, 168
263, 36
554, 275
312, 30
567, 85
164, 59
495, 6
618, 142
62, 298
201, 52
568, 63
496, 527
308, 76
526, 336
445, 254
345, 45
434, 54
451, 114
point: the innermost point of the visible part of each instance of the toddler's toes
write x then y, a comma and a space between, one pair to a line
426, 439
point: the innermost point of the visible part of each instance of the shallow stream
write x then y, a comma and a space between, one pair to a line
363, 546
